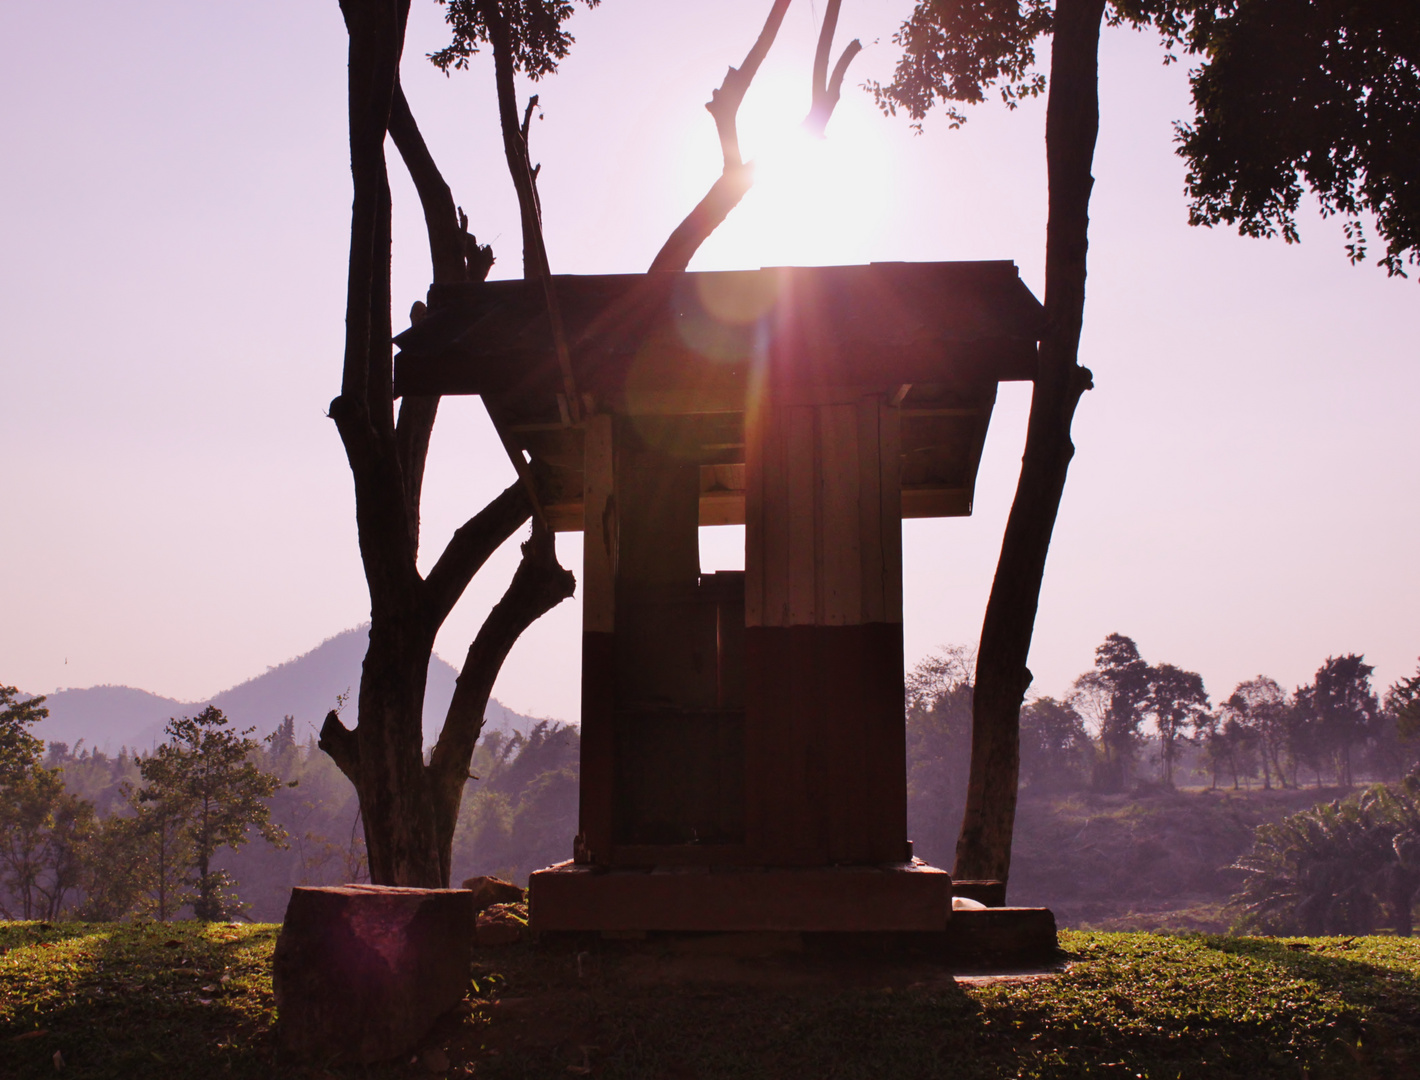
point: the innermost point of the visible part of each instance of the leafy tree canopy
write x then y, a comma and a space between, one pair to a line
206, 779
1321, 92
1290, 93
956, 50
19, 750
535, 31
1348, 866
1403, 700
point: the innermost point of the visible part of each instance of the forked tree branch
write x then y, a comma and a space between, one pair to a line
736, 177
341, 745
446, 243
470, 547
828, 89
515, 149
539, 585
448, 254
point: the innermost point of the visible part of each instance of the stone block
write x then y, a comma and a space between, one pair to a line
362, 971
488, 891
895, 897
1003, 937
985, 892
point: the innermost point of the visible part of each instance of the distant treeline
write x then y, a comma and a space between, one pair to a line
1127, 723
91, 835
216, 824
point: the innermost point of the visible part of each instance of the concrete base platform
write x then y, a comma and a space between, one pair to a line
898, 897
983, 940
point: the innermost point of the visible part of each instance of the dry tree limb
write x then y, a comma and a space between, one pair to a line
515, 149
539, 584
737, 177
828, 89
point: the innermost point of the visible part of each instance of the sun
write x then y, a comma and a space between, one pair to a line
815, 201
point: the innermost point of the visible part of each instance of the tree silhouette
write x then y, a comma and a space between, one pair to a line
1260, 705
1324, 93
1114, 694
956, 50
1177, 701
1403, 700
1341, 705
410, 807
202, 792
1054, 745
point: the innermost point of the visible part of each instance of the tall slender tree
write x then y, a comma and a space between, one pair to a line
1340, 701
1177, 702
408, 806
205, 791
1261, 706
954, 51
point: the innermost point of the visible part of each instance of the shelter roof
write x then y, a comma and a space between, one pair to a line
699, 335
934, 338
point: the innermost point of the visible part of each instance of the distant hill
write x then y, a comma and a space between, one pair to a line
107, 717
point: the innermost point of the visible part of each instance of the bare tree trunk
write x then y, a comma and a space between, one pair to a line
383, 755
1071, 127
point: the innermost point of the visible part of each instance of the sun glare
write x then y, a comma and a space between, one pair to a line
814, 201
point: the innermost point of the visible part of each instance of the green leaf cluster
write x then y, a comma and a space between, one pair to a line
1348, 866
1289, 95
201, 792
44, 830
535, 29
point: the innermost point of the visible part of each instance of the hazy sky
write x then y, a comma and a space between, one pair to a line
174, 213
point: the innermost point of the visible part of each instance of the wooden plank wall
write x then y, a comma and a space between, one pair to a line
824, 733
823, 543
599, 545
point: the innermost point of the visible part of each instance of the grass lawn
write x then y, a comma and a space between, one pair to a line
185, 1000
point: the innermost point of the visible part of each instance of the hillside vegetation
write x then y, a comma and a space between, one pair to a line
1153, 860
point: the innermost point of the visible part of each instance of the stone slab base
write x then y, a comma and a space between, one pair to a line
1002, 937
897, 897
982, 941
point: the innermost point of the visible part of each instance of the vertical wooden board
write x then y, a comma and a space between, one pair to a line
882, 726
657, 515
598, 750
840, 571
775, 509
800, 453
599, 538
756, 451
871, 509
890, 473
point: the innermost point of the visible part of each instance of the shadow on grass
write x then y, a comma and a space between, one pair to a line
1383, 1001
149, 1001
146, 999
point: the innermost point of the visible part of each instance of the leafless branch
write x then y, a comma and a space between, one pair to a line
737, 177
828, 89
515, 149
470, 547
446, 245
538, 586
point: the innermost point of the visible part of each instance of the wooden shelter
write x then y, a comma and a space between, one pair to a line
743, 754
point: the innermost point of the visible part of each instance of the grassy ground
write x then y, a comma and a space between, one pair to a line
183, 1000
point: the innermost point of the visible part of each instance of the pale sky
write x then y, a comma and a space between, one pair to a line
174, 214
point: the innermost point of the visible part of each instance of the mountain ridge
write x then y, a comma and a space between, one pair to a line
108, 717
